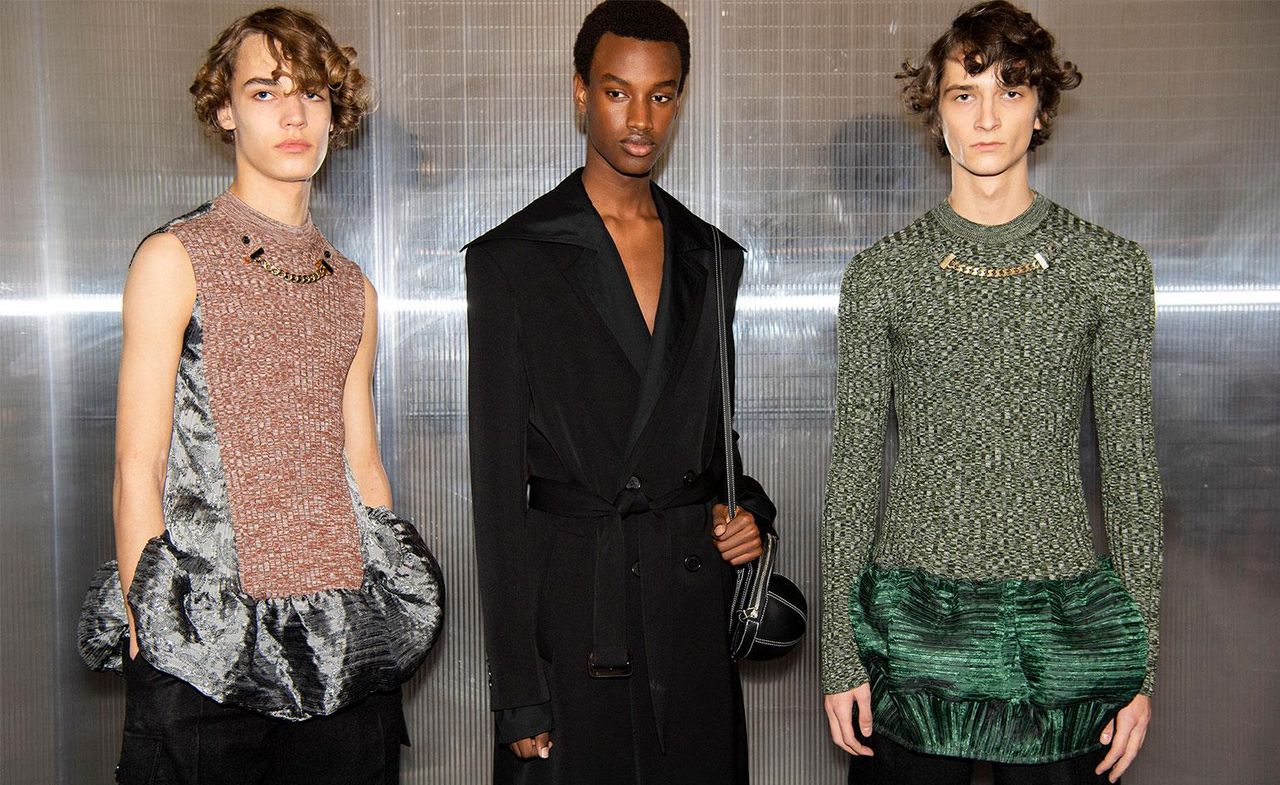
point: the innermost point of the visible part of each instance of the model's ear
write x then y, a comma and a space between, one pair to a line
225, 120
1037, 126
579, 94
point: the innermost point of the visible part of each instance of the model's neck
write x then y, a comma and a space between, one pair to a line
286, 202
615, 195
993, 200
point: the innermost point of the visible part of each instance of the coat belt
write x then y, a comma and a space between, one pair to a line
609, 656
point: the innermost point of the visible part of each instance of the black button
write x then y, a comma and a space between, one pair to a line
326, 254
245, 239
635, 569
633, 484
690, 476
692, 563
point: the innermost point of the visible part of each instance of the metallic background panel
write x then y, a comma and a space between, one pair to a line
792, 140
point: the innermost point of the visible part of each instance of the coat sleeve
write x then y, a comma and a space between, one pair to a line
751, 495
498, 416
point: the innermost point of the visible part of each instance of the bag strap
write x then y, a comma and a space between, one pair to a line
726, 387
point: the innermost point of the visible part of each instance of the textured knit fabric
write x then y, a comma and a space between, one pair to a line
987, 374
273, 588
276, 360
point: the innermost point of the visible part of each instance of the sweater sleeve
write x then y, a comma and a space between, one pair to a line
1131, 490
853, 481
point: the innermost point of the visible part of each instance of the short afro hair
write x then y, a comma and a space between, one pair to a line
299, 41
995, 33
645, 20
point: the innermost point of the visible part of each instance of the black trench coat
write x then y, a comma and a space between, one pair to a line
594, 464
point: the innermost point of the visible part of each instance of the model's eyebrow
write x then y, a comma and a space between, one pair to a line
258, 80
966, 88
670, 83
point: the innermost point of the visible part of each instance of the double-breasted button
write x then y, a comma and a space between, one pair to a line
690, 476
692, 563
635, 569
633, 484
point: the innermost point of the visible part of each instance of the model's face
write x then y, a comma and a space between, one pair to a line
281, 132
630, 104
987, 125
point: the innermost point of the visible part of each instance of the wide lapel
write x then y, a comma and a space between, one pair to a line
684, 284
599, 279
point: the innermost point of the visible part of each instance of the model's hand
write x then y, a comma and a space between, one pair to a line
1125, 734
839, 708
536, 747
737, 540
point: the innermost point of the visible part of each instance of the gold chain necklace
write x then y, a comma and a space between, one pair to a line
259, 257
1038, 262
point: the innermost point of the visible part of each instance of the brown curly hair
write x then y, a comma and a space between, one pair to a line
303, 49
994, 33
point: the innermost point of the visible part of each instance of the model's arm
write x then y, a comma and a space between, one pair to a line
853, 491
158, 297
360, 422
1131, 489
498, 413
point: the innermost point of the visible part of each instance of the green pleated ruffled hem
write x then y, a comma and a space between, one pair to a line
1010, 671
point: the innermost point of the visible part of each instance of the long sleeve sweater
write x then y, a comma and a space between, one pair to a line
984, 338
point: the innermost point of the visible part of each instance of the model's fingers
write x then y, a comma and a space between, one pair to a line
543, 744
743, 553
1131, 751
863, 697
839, 717
738, 539
1108, 732
1118, 744
718, 523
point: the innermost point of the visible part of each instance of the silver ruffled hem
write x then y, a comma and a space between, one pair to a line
288, 657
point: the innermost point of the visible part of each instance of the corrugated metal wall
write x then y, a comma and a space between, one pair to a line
792, 141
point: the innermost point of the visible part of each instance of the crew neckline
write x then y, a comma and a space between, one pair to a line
997, 234
238, 208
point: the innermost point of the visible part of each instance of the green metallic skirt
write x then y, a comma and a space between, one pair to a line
1014, 671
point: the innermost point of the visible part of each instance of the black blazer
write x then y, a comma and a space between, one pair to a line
567, 385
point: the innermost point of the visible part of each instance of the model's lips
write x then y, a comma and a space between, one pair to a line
294, 146
639, 146
986, 147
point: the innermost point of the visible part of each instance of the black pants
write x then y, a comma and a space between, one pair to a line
894, 764
175, 735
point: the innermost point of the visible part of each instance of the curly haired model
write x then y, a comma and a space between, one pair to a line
974, 620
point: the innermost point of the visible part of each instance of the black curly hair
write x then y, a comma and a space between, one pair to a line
646, 20
995, 33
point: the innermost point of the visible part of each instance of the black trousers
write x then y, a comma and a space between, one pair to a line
174, 735
894, 764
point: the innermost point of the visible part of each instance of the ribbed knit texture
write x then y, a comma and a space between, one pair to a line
277, 355
987, 377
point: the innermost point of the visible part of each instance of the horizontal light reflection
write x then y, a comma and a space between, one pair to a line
1165, 299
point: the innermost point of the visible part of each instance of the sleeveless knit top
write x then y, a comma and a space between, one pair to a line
276, 360
273, 587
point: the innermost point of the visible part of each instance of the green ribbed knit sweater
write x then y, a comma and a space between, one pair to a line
987, 377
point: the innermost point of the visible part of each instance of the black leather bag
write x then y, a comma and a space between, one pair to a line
768, 614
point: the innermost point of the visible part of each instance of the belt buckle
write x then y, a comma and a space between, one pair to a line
607, 671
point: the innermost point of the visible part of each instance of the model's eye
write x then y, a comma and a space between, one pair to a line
662, 98
963, 97
314, 96
262, 95
615, 95
1012, 93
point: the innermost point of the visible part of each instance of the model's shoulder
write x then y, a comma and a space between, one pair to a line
1083, 235
884, 253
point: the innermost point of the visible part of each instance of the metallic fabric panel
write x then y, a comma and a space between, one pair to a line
792, 140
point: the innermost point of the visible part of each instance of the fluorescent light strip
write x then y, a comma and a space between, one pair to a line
71, 305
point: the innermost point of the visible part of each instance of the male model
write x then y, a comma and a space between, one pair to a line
605, 564
977, 622
273, 604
